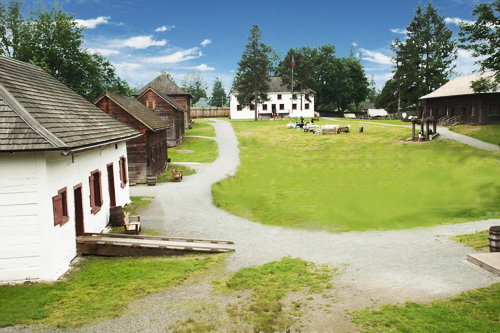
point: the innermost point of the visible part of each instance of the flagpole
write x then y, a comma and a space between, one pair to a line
291, 109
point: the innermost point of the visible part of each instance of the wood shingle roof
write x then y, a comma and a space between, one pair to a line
37, 112
162, 85
137, 110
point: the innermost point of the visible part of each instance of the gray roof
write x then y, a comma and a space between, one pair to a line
163, 85
137, 110
165, 97
38, 112
458, 86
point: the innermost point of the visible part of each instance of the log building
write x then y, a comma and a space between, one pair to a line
147, 154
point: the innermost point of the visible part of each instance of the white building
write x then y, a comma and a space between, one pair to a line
63, 163
281, 101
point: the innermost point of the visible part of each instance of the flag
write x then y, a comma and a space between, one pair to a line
293, 62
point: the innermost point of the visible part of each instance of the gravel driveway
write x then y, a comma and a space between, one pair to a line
413, 264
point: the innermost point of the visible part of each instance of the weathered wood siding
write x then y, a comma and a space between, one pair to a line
185, 102
210, 112
147, 154
173, 117
463, 106
31, 247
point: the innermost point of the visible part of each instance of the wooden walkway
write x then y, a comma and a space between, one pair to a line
139, 245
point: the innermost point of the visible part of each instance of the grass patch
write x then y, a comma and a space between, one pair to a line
477, 240
203, 151
201, 127
98, 288
136, 203
269, 284
166, 176
474, 311
356, 181
486, 133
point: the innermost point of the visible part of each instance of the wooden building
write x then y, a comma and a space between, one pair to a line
169, 102
456, 102
62, 165
147, 154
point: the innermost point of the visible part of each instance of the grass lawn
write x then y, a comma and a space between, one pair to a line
486, 133
474, 311
478, 240
166, 176
195, 150
357, 181
98, 288
201, 127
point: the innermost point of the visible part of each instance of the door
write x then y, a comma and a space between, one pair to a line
111, 185
80, 228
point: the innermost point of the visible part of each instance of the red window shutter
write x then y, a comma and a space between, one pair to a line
100, 189
92, 198
58, 209
124, 161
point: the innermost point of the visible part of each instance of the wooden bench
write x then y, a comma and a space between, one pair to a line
343, 129
177, 175
132, 224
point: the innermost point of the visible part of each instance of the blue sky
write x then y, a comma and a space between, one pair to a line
143, 37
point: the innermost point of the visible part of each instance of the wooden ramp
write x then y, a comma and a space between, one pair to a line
121, 245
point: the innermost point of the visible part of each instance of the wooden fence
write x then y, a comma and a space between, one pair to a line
209, 112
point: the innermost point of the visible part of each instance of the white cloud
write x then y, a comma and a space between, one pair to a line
206, 42
399, 31
456, 20
466, 63
92, 23
202, 68
127, 66
165, 28
139, 42
104, 52
178, 56
376, 57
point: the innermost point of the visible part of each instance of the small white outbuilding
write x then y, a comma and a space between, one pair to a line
63, 163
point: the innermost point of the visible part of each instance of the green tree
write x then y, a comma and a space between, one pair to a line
218, 97
303, 71
372, 90
251, 81
11, 20
388, 97
424, 62
195, 84
53, 40
276, 61
326, 79
482, 37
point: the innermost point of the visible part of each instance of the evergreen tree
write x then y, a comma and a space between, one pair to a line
482, 37
424, 62
218, 98
195, 84
251, 81
304, 59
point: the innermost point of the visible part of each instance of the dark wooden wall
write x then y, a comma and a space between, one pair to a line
173, 117
185, 102
147, 154
462, 106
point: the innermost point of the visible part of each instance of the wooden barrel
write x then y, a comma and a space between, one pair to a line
151, 180
494, 239
116, 216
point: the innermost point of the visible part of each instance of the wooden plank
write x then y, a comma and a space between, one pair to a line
160, 238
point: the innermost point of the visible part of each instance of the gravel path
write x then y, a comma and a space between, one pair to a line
417, 264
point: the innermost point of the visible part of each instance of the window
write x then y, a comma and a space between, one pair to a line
430, 112
472, 110
123, 171
294, 106
264, 107
306, 106
60, 206
493, 110
95, 191
238, 107
150, 105
307, 96
282, 106
252, 107
279, 96
294, 96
